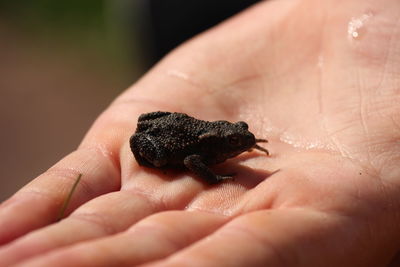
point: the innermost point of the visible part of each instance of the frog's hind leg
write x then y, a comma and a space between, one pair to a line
146, 152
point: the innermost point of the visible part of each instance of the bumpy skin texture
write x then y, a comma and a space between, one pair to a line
176, 140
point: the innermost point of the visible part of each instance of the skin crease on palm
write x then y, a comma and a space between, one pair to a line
319, 79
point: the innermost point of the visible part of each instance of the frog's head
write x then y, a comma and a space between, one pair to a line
226, 140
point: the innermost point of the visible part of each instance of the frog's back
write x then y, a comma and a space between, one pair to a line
178, 132
175, 134
172, 124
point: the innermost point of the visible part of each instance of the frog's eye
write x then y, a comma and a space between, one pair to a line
234, 140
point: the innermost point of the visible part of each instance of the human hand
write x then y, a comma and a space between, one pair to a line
318, 79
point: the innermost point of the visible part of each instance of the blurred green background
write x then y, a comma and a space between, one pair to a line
61, 63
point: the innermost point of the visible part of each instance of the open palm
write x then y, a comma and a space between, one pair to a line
319, 80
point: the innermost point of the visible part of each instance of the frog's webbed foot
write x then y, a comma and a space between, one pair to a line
195, 164
259, 147
223, 177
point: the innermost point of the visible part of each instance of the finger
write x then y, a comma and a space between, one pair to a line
105, 215
153, 238
286, 237
97, 159
39, 203
249, 240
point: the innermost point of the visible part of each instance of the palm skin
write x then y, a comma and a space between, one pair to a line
325, 98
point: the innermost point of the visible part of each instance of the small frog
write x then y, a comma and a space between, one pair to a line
176, 140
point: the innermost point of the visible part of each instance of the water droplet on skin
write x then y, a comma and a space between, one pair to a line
300, 142
178, 74
183, 76
356, 24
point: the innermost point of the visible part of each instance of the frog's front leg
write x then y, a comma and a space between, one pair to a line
195, 164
